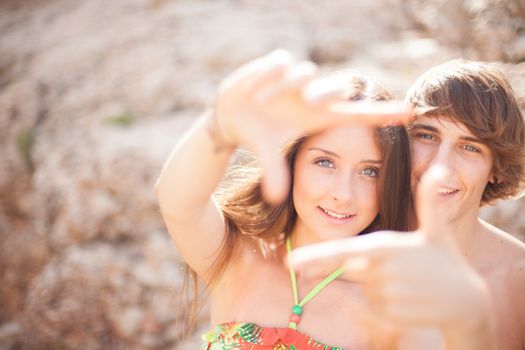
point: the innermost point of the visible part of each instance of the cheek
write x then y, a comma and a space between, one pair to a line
487, 165
366, 197
419, 155
306, 185
310, 181
483, 171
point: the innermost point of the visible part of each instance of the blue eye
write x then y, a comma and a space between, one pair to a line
471, 148
325, 163
371, 172
425, 136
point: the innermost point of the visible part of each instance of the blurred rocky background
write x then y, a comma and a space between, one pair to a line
93, 95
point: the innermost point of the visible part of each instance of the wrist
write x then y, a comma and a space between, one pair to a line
222, 143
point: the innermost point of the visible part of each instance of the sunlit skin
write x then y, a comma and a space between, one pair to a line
260, 107
424, 278
465, 160
335, 184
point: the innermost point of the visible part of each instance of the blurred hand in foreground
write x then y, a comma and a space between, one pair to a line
413, 279
274, 99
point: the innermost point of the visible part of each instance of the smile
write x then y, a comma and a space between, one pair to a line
337, 216
446, 190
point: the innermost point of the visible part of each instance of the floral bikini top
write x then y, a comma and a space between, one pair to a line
249, 336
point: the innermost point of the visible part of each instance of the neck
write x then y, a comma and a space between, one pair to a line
465, 233
302, 237
465, 229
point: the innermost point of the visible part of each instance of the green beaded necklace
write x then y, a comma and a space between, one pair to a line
297, 309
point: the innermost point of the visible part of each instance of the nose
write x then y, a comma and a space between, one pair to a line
443, 158
342, 189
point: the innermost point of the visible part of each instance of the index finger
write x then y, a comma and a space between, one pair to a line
366, 249
247, 72
335, 94
371, 112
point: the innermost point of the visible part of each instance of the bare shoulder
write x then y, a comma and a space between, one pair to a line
504, 247
506, 277
504, 255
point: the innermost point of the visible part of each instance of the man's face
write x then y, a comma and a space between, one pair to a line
466, 161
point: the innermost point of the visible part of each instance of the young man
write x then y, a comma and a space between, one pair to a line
456, 273
468, 122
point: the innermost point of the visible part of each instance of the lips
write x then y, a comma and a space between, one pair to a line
442, 190
447, 190
336, 217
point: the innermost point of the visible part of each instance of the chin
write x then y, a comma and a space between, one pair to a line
327, 236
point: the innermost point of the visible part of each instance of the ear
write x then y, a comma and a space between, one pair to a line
494, 180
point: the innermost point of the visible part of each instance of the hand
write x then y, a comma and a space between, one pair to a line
412, 279
274, 99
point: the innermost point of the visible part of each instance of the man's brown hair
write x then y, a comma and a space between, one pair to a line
479, 96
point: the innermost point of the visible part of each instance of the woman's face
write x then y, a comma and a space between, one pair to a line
335, 184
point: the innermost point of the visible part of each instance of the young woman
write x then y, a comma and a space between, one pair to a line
344, 181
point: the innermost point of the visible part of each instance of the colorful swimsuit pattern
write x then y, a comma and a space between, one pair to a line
248, 336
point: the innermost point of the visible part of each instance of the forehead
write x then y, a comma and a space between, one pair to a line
443, 124
355, 140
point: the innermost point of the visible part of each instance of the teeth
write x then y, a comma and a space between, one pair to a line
446, 190
335, 215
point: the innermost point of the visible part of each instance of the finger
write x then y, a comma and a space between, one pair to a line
248, 74
373, 113
360, 270
330, 87
293, 78
276, 175
356, 270
314, 271
351, 251
413, 313
331, 93
383, 299
393, 290
435, 202
368, 113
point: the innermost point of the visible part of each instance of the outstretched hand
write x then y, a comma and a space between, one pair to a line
275, 99
414, 278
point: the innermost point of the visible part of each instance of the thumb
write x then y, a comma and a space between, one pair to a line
435, 203
276, 175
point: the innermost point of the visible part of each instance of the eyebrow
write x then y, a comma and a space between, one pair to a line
424, 127
436, 130
371, 161
324, 151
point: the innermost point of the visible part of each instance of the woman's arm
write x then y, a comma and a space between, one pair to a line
184, 188
259, 107
252, 109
